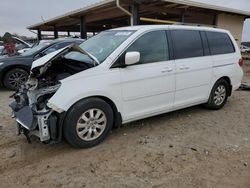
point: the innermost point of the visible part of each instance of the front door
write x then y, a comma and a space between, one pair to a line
148, 87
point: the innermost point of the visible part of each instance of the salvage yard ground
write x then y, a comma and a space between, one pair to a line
193, 147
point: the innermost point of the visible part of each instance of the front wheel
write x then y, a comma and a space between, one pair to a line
219, 95
88, 123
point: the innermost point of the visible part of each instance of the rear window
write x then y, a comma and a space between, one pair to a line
187, 44
219, 43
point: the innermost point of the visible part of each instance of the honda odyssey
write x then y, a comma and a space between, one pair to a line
126, 74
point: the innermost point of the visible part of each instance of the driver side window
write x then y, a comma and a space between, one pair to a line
152, 46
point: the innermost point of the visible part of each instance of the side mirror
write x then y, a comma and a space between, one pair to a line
132, 58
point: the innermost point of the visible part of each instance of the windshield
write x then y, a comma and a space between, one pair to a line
101, 45
35, 49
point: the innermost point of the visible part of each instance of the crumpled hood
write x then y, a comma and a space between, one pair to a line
41, 65
41, 62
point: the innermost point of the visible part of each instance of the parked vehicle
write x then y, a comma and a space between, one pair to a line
244, 49
2, 52
14, 71
21, 45
123, 75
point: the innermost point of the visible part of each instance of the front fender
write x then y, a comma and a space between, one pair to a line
73, 91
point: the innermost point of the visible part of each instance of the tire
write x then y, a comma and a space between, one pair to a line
83, 130
219, 95
15, 78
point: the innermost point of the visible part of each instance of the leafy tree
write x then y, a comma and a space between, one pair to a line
7, 38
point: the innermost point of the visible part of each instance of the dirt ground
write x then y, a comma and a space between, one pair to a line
193, 147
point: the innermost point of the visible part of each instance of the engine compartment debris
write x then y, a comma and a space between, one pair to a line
31, 108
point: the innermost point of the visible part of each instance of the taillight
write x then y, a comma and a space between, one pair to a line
241, 62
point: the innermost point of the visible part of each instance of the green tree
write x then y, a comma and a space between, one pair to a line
7, 38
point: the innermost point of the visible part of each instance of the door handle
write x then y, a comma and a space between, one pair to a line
184, 67
167, 69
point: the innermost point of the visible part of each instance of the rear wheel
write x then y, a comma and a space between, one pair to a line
15, 78
88, 123
219, 95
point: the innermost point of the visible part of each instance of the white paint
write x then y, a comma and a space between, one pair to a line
45, 59
132, 58
144, 90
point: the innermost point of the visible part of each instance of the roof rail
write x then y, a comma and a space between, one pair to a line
195, 24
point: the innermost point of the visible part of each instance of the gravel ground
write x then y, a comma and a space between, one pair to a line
193, 147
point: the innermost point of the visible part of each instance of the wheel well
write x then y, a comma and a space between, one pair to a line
117, 115
7, 69
227, 79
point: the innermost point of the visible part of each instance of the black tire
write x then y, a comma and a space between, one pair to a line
211, 104
77, 111
19, 74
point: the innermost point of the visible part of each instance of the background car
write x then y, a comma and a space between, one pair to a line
3, 53
21, 45
14, 71
244, 49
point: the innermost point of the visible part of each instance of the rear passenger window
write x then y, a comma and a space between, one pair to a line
152, 46
219, 43
187, 44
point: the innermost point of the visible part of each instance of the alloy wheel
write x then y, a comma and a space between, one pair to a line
91, 124
16, 79
220, 95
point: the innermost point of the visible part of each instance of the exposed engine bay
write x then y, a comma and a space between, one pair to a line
33, 114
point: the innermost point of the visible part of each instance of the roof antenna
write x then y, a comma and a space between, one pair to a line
42, 19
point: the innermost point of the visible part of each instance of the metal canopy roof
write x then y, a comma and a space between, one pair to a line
197, 3
105, 14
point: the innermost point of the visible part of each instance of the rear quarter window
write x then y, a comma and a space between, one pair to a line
219, 43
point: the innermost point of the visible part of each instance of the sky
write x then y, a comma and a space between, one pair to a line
16, 15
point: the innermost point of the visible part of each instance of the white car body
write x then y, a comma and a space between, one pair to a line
136, 90
139, 91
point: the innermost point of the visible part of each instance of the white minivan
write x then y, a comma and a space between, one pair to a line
126, 74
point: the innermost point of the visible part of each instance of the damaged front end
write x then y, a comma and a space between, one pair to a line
32, 114
31, 109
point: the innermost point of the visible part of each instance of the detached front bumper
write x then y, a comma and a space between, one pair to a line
43, 125
24, 116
